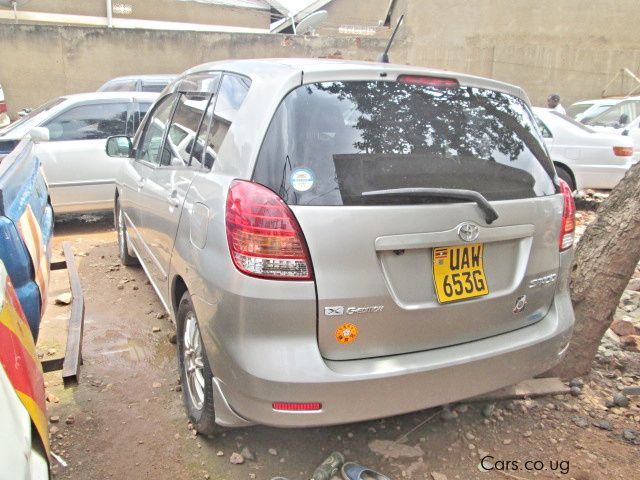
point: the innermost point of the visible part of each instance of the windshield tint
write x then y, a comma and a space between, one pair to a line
32, 114
330, 142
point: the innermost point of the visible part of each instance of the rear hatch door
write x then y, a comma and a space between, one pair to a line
396, 185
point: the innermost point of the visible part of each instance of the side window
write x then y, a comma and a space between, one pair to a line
546, 133
137, 111
151, 142
233, 91
184, 128
127, 86
89, 122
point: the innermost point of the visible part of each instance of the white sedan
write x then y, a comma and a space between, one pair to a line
583, 157
80, 174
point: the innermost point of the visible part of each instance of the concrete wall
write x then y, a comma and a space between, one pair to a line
41, 62
164, 10
573, 47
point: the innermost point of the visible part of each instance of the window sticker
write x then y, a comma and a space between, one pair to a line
302, 179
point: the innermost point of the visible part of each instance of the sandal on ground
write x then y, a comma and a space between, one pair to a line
353, 471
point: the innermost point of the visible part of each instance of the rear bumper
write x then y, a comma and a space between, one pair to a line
358, 390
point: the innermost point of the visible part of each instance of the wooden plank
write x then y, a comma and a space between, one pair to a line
73, 353
535, 387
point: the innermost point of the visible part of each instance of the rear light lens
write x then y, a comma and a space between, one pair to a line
623, 151
429, 81
264, 237
296, 407
3, 107
568, 226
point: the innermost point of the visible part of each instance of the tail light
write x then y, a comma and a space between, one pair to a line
623, 151
568, 226
3, 107
429, 81
264, 237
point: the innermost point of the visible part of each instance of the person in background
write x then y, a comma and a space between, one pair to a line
553, 102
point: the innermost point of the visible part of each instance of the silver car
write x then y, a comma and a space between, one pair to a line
342, 241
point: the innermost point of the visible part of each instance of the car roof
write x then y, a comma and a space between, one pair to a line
280, 70
92, 96
151, 77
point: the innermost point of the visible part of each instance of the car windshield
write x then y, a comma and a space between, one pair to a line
32, 114
328, 143
578, 108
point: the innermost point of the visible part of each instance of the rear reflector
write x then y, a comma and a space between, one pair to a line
623, 151
568, 225
264, 237
429, 81
3, 107
296, 407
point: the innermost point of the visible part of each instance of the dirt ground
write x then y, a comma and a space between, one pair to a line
126, 421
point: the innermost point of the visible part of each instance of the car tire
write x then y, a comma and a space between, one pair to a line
195, 373
566, 176
126, 258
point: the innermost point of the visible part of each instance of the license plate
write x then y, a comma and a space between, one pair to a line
458, 272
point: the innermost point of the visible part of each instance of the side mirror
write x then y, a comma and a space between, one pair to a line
119, 146
39, 134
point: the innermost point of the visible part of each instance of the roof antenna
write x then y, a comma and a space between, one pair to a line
384, 56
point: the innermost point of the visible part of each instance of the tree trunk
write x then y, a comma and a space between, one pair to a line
605, 259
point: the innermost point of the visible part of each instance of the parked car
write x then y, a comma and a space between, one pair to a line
138, 83
632, 130
81, 175
616, 117
343, 230
26, 229
4, 116
586, 109
24, 435
584, 158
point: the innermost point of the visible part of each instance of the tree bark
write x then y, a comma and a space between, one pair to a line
605, 259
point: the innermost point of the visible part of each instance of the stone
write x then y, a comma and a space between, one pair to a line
506, 441
161, 315
528, 433
629, 434
156, 329
70, 420
236, 458
54, 419
273, 451
447, 414
620, 400
64, 299
53, 430
603, 425
157, 385
173, 338
576, 382
631, 343
575, 391
219, 453
438, 476
247, 454
488, 410
581, 422
623, 328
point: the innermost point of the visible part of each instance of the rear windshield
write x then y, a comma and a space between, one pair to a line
328, 143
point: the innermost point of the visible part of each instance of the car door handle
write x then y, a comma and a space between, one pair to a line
173, 199
140, 184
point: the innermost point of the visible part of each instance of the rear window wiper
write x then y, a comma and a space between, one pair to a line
490, 215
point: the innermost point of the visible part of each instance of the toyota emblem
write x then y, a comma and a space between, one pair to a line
468, 232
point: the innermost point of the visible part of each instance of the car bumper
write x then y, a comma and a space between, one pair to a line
358, 390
